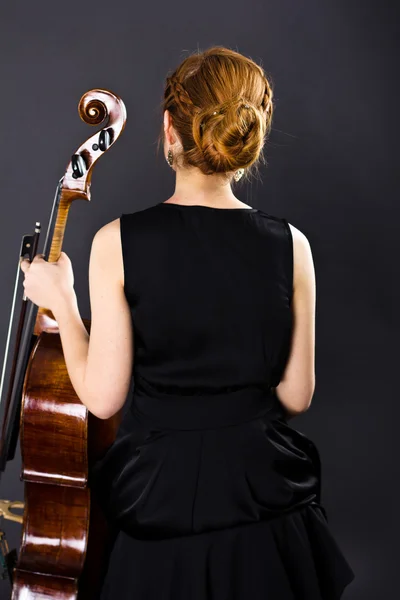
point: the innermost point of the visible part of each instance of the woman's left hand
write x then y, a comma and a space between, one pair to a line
49, 284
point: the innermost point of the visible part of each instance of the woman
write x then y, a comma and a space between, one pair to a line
210, 304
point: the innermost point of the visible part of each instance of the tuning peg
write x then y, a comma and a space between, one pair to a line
105, 139
78, 166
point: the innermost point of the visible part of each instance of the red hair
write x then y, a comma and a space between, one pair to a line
221, 108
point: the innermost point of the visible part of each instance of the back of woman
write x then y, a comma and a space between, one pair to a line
210, 292
211, 493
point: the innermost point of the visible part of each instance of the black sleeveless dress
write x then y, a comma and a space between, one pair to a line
213, 496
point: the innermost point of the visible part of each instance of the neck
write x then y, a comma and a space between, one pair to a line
192, 187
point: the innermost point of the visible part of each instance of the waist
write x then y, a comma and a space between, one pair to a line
201, 411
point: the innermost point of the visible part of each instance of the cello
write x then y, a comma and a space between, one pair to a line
64, 534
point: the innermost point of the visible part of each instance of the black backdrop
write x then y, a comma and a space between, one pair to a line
332, 172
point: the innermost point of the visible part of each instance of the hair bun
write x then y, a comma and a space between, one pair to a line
229, 135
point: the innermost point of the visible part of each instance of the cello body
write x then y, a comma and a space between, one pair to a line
65, 536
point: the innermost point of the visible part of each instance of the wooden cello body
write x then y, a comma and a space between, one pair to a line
64, 534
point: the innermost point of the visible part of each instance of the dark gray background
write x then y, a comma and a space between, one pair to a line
332, 173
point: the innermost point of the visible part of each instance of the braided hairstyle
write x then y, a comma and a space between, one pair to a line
221, 108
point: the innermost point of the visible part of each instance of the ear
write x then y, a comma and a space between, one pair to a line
167, 126
169, 132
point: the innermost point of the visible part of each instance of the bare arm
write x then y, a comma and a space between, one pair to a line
100, 366
296, 388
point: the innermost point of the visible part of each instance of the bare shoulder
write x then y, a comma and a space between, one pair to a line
298, 236
303, 263
107, 239
109, 232
107, 249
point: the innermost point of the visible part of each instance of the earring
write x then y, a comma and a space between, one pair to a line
170, 158
238, 174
